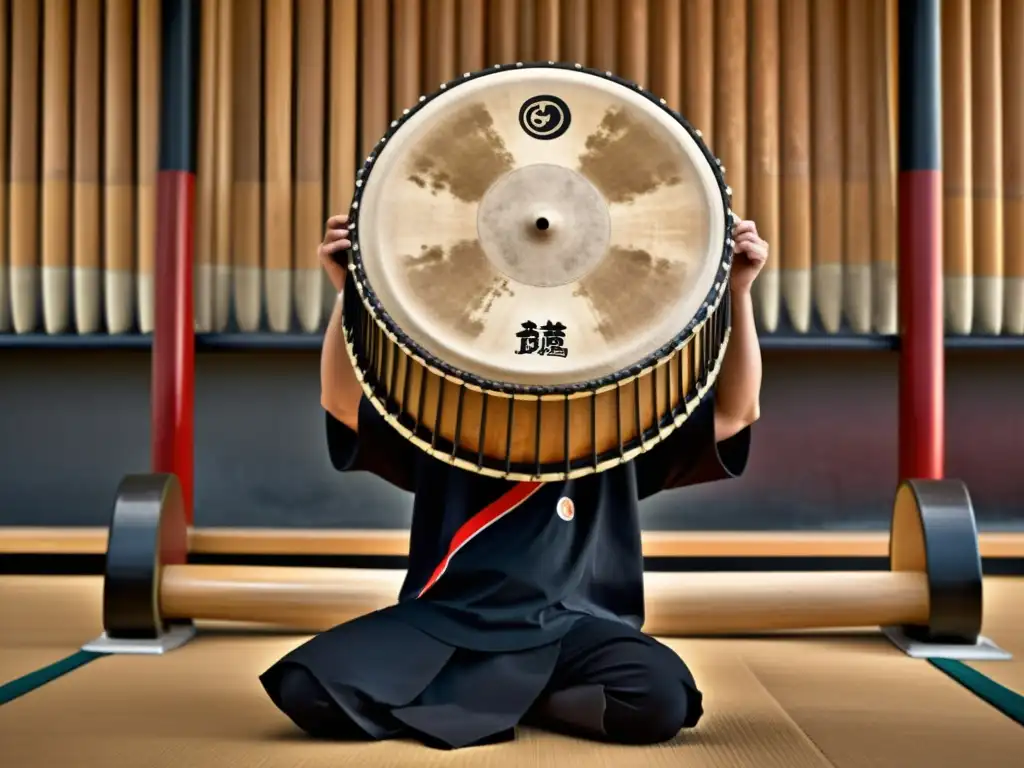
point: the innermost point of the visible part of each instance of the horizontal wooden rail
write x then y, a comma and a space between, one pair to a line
315, 599
378, 543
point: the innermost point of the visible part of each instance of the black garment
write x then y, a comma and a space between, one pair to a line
607, 682
499, 574
525, 576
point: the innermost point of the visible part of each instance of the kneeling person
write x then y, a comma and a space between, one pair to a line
523, 602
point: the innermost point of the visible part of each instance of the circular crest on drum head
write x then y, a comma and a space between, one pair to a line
539, 228
544, 117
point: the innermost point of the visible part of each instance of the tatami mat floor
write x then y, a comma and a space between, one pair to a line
846, 700
45, 618
1004, 623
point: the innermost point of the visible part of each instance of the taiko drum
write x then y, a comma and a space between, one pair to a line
538, 279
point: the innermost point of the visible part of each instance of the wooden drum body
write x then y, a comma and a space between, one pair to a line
538, 281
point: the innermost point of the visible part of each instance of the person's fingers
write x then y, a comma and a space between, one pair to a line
752, 249
751, 238
334, 246
753, 244
336, 240
756, 253
743, 227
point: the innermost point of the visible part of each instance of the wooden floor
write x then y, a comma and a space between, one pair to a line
845, 700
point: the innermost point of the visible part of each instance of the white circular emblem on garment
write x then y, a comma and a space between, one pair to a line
565, 508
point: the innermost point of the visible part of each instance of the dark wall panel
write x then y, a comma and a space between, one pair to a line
824, 456
71, 424
985, 431
261, 458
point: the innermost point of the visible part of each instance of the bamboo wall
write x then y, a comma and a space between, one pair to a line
796, 96
78, 164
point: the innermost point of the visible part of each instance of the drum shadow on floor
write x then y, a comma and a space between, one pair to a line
867, 638
237, 631
288, 735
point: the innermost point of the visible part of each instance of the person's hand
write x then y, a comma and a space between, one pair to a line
750, 253
335, 241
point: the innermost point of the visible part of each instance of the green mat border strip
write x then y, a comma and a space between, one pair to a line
40, 677
1007, 701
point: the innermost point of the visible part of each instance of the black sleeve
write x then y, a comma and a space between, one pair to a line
691, 455
378, 448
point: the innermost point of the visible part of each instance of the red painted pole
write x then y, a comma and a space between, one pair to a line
922, 361
173, 377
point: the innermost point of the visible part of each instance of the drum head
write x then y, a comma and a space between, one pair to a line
540, 225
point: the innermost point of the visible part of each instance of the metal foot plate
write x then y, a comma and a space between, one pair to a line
983, 650
175, 637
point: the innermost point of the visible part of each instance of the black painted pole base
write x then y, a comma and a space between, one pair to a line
147, 532
934, 532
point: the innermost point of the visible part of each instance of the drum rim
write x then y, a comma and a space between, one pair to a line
383, 318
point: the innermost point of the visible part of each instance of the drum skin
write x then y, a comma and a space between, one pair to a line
568, 304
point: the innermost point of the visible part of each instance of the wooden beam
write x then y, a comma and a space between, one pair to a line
377, 543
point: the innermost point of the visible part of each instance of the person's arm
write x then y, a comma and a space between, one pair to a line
738, 390
714, 442
358, 437
738, 395
695, 452
340, 391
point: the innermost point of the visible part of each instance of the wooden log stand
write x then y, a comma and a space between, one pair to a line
929, 603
